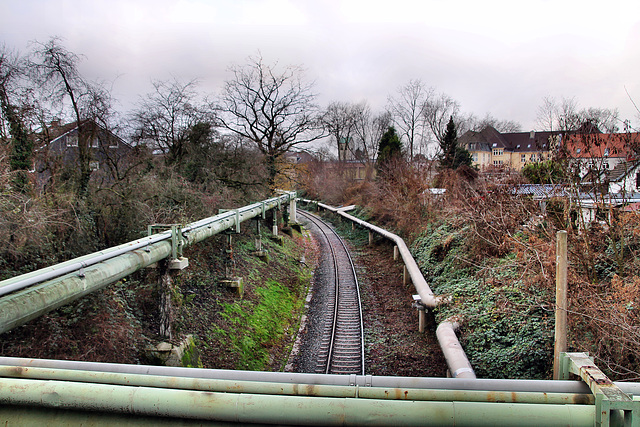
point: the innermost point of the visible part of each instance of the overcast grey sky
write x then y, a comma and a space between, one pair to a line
492, 56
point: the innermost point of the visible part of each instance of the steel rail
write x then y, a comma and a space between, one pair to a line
418, 280
337, 302
355, 278
455, 356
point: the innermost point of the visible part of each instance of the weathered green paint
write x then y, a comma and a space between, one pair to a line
22, 306
287, 410
611, 401
292, 389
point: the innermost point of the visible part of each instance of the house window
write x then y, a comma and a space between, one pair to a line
95, 143
472, 146
72, 140
606, 152
498, 151
578, 150
94, 165
497, 163
523, 158
475, 157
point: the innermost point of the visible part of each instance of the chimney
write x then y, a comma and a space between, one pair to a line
532, 134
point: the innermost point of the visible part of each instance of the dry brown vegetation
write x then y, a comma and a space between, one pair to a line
495, 241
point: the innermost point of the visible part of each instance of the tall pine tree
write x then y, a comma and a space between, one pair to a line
390, 146
451, 155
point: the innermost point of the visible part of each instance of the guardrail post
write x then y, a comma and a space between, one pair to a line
293, 217
167, 269
422, 318
166, 309
560, 344
230, 280
396, 252
608, 396
259, 252
370, 237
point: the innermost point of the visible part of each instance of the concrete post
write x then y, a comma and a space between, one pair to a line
274, 223
259, 238
396, 252
292, 212
165, 284
560, 344
422, 319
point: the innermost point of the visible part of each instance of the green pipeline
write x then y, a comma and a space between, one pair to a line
22, 306
278, 409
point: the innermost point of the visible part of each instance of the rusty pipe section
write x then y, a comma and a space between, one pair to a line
291, 389
278, 409
35, 297
509, 385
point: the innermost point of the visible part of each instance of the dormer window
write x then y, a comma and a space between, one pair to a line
72, 140
495, 144
606, 152
578, 150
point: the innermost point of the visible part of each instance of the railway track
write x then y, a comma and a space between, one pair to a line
342, 347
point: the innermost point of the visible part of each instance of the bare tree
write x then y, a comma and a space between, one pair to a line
13, 129
476, 124
369, 129
165, 116
273, 109
438, 110
56, 70
408, 110
339, 121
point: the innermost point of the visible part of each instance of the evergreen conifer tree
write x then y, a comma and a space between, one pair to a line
390, 146
451, 155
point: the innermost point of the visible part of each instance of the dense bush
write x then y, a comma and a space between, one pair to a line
505, 331
492, 252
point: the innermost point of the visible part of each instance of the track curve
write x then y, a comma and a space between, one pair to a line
342, 348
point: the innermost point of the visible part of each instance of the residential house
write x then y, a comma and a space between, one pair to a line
492, 149
58, 147
624, 178
597, 152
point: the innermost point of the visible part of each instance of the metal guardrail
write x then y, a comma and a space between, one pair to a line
28, 296
457, 360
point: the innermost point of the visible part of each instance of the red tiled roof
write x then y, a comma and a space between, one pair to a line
598, 145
